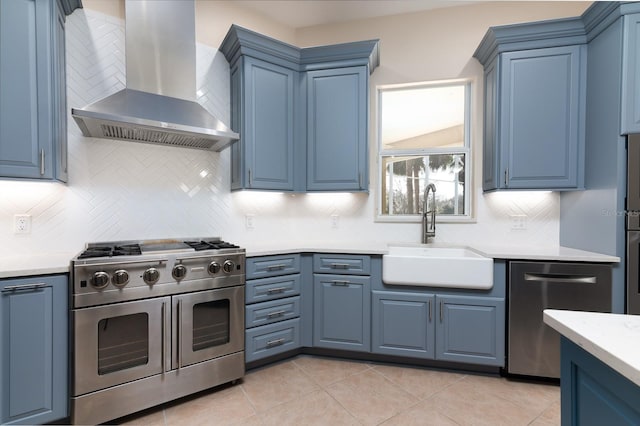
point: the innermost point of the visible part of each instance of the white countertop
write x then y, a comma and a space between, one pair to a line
496, 251
58, 263
612, 338
35, 264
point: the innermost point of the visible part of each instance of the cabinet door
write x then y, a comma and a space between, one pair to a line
541, 124
631, 75
60, 97
402, 324
341, 314
470, 330
490, 147
33, 360
267, 133
337, 101
593, 393
25, 85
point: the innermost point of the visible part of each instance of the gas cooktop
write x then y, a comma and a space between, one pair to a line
136, 248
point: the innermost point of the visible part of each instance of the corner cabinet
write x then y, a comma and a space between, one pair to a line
337, 129
534, 108
33, 116
263, 98
34, 357
302, 114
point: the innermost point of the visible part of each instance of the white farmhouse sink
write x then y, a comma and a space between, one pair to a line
437, 266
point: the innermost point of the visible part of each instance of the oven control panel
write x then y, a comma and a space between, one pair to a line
100, 282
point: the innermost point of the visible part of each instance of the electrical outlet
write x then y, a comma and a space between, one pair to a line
22, 224
518, 222
335, 220
249, 220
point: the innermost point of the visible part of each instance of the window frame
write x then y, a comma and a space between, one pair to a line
466, 149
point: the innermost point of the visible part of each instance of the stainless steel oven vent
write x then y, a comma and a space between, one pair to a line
159, 103
153, 136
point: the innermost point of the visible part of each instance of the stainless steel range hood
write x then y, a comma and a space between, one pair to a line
159, 104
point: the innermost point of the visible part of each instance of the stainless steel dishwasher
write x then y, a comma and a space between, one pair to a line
533, 348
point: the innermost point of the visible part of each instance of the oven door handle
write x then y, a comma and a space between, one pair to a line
162, 338
179, 334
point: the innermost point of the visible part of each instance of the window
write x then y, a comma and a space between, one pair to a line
424, 138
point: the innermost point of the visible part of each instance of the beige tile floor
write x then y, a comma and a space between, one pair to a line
311, 390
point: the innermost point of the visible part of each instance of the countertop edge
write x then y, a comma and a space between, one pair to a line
558, 253
602, 352
46, 270
60, 263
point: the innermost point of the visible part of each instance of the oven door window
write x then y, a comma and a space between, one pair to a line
209, 324
123, 342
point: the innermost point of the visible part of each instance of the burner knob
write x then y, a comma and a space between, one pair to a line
214, 268
151, 276
100, 280
179, 272
120, 278
228, 266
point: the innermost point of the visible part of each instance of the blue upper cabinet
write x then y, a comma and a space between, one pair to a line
337, 129
535, 98
33, 134
302, 114
631, 74
263, 99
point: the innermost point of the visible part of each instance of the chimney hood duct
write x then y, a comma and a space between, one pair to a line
159, 103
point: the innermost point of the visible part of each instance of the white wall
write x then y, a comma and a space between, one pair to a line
426, 46
120, 190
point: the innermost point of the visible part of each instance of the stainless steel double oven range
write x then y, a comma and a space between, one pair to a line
154, 321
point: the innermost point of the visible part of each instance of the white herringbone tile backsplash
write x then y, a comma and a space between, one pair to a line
119, 190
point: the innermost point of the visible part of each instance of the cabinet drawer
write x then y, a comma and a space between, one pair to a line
342, 264
272, 266
272, 339
272, 288
272, 311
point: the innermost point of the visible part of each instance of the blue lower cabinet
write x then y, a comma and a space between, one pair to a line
403, 324
34, 355
593, 393
467, 329
273, 311
341, 314
272, 339
470, 330
273, 306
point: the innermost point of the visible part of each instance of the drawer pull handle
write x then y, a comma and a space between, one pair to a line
340, 282
276, 314
340, 266
24, 287
276, 267
273, 343
276, 290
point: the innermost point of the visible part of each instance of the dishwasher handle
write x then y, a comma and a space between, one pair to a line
561, 278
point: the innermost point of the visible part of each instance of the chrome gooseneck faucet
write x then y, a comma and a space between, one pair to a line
429, 216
